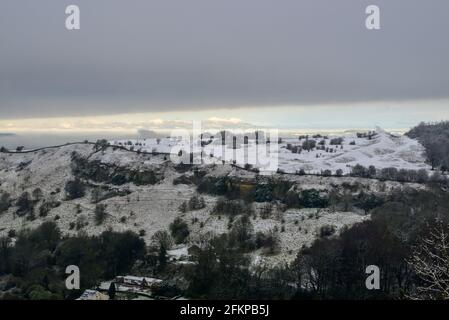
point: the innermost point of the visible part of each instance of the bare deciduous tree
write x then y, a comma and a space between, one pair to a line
430, 262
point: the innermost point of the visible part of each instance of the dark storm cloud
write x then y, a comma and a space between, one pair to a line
160, 55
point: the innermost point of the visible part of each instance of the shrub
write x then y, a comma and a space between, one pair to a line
326, 231
182, 179
267, 241
101, 144
162, 238
81, 222
389, 174
279, 188
359, 171
100, 214
263, 192
196, 203
336, 141
179, 230
241, 234
291, 199
213, 185
12, 233
183, 207
403, 175
422, 176
311, 198
372, 171
24, 204
232, 207
248, 166
118, 179
166, 289
327, 173
265, 211
74, 189
5, 201
46, 207
368, 202
37, 194
309, 145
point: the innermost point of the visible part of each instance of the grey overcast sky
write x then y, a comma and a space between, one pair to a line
181, 55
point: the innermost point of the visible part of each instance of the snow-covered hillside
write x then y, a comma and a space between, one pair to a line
378, 148
382, 150
149, 207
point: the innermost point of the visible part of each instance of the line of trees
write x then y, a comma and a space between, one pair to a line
392, 173
35, 264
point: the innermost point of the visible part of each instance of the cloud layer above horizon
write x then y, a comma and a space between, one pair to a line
176, 55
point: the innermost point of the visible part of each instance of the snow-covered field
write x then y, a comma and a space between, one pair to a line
381, 150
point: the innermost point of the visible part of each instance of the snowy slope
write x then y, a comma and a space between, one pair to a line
382, 150
153, 207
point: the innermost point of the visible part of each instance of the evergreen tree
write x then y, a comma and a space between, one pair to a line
111, 291
162, 257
